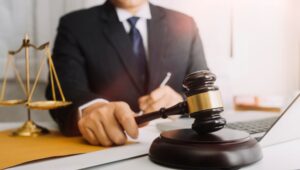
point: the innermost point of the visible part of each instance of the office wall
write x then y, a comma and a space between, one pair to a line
14, 21
297, 18
267, 56
250, 44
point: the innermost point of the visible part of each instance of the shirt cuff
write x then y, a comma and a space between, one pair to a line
82, 107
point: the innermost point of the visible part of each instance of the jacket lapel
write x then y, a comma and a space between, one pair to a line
120, 40
157, 34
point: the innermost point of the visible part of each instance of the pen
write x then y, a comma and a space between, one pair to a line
162, 84
166, 79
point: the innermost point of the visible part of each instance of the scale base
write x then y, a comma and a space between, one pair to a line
224, 149
29, 128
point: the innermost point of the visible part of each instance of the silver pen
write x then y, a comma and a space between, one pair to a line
162, 84
166, 79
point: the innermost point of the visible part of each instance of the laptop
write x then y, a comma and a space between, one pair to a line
268, 131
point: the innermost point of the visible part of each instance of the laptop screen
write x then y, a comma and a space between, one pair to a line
286, 127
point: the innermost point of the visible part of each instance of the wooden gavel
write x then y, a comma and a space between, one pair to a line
203, 102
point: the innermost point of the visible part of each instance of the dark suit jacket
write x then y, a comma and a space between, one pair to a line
94, 59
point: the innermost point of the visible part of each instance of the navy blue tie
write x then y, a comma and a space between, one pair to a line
139, 51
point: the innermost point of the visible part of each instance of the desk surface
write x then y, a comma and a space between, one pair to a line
280, 156
277, 157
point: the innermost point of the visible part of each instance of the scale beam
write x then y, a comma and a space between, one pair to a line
29, 128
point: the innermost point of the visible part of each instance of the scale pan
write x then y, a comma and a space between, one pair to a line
47, 105
12, 102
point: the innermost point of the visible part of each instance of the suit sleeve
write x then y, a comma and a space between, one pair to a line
70, 65
197, 59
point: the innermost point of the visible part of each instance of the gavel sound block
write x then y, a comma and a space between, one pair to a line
206, 144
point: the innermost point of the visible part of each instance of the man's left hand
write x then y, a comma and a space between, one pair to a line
161, 97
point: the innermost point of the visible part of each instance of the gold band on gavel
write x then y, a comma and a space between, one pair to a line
204, 101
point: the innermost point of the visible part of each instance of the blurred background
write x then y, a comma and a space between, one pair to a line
252, 45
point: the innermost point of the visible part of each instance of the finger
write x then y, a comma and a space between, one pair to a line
93, 122
143, 102
113, 129
101, 135
125, 117
86, 133
169, 98
155, 106
143, 99
91, 137
158, 93
153, 97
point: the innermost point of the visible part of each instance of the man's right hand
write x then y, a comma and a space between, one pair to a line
106, 123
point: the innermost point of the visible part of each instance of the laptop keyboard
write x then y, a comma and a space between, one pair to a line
255, 126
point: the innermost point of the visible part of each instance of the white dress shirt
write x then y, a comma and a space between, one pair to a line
144, 14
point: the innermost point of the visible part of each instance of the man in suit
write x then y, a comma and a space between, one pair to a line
111, 60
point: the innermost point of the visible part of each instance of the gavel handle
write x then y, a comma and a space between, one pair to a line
179, 109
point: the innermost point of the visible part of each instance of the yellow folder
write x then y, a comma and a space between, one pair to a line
15, 150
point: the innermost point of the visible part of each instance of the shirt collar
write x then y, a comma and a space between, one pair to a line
143, 12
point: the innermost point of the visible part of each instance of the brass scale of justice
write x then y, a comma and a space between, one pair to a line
30, 128
205, 145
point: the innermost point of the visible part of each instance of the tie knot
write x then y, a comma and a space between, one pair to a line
132, 21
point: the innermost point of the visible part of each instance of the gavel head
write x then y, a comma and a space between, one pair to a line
204, 102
